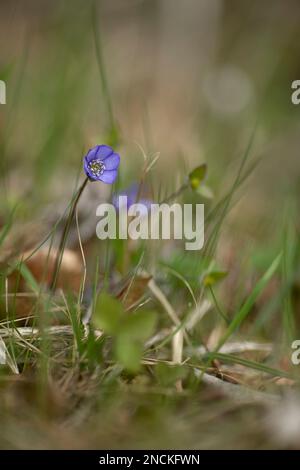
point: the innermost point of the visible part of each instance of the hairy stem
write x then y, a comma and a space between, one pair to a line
64, 236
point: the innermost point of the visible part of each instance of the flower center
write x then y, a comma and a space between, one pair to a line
96, 167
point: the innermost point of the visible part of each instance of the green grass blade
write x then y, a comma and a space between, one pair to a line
250, 364
6, 228
29, 278
247, 306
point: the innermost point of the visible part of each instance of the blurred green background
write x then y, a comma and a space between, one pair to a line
186, 79
191, 80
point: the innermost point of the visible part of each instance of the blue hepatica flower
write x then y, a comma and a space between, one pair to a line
101, 164
131, 193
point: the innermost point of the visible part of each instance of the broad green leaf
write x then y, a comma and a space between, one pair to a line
197, 176
128, 352
139, 326
108, 314
169, 374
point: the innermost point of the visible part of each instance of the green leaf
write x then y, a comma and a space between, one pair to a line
197, 176
28, 276
139, 326
169, 374
108, 314
128, 352
213, 277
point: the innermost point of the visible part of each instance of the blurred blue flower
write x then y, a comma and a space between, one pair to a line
101, 164
132, 194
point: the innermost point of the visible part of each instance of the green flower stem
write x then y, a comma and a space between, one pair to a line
64, 236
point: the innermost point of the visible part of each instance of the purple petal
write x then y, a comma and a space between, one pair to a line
112, 162
88, 171
91, 155
132, 194
100, 152
108, 177
103, 151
